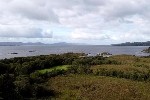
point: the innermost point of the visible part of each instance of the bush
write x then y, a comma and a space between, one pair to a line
42, 91
3, 68
23, 86
80, 69
133, 75
54, 73
7, 88
37, 77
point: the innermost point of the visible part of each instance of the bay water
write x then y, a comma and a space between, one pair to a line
23, 51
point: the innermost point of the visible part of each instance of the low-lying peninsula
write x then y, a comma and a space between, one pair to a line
133, 44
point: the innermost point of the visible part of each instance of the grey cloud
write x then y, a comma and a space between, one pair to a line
24, 32
39, 14
121, 9
31, 10
95, 2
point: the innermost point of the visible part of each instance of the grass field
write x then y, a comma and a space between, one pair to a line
62, 67
88, 87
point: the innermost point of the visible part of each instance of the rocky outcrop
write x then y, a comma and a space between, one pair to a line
146, 50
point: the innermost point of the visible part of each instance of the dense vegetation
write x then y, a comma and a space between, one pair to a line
74, 76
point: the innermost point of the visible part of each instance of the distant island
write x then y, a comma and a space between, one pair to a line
65, 43
133, 44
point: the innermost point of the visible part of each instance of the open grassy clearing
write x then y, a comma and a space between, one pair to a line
88, 87
62, 67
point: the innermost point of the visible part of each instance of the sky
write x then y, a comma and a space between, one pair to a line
99, 22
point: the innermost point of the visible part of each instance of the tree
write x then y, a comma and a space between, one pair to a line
7, 88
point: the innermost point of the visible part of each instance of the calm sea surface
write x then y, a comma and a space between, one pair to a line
5, 51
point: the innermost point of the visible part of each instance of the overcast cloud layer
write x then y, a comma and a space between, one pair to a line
79, 21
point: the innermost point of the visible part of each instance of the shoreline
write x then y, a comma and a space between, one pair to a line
73, 53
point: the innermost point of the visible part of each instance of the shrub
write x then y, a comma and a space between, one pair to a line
7, 88
80, 69
3, 68
42, 91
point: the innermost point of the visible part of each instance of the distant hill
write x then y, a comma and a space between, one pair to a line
61, 43
64, 43
37, 43
19, 43
133, 44
10, 43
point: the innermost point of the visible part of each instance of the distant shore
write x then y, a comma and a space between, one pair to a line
133, 44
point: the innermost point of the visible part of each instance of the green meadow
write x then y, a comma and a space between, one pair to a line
62, 67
